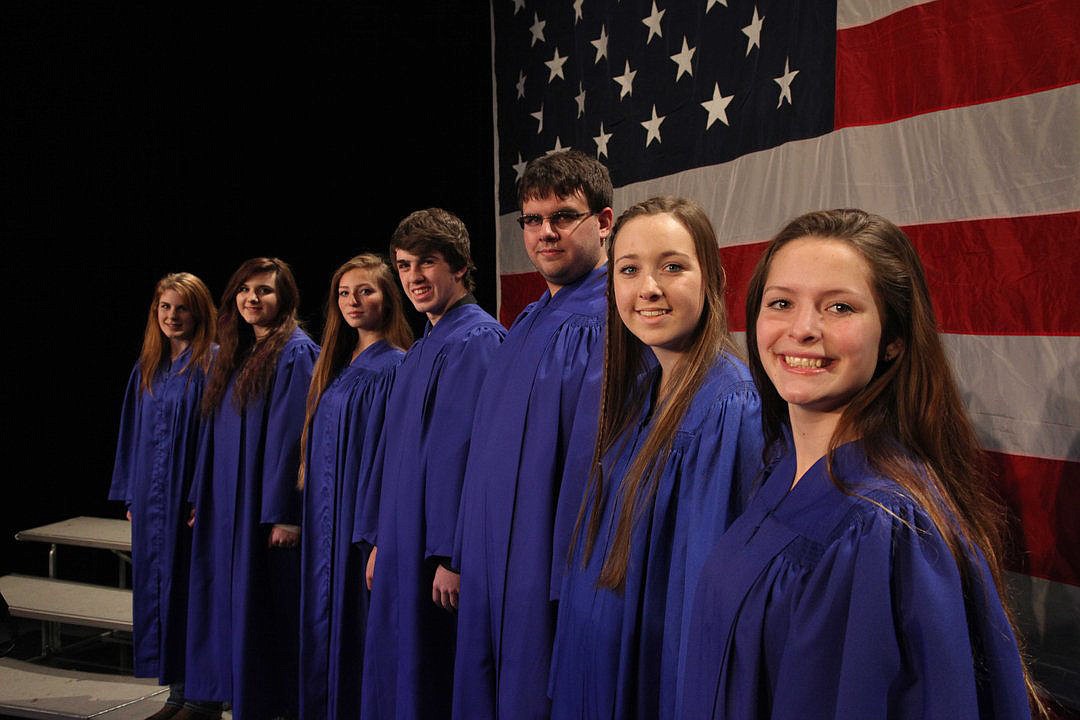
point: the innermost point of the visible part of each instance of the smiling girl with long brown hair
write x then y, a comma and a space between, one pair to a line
243, 616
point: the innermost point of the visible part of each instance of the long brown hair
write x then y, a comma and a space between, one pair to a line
909, 417
155, 355
339, 340
623, 396
253, 360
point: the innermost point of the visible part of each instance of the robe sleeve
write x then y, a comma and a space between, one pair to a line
725, 465
369, 440
127, 444
453, 401
883, 630
581, 388
285, 419
722, 460
203, 460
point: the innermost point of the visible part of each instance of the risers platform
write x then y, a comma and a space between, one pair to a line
33, 691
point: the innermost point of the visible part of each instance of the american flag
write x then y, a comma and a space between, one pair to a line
957, 119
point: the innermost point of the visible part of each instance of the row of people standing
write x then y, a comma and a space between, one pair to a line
267, 400
215, 429
544, 519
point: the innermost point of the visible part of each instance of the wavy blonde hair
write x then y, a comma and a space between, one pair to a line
155, 355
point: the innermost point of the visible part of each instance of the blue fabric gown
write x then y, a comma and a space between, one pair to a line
244, 598
818, 604
522, 491
616, 654
342, 451
155, 463
409, 653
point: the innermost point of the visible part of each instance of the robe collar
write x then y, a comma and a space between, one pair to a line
466, 299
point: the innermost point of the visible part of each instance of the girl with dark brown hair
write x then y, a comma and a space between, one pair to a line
864, 579
243, 620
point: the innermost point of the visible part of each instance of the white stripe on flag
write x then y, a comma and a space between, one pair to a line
1047, 613
1022, 392
948, 165
852, 13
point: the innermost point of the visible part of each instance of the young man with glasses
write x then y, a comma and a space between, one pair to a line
409, 646
532, 446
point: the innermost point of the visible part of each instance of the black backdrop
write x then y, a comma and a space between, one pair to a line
140, 138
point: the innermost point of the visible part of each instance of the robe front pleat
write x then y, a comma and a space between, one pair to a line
155, 463
343, 450
821, 604
243, 617
537, 418
617, 653
409, 645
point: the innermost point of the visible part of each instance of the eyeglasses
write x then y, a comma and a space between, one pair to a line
560, 220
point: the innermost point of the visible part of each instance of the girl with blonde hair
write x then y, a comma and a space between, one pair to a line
155, 464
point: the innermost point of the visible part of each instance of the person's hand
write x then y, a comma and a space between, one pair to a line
283, 538
191, 518
128, 515
369, 573
445, 588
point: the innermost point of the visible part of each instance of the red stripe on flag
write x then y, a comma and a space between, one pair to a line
1004, 276
739, 262
518, 290
953, 53
1044, 497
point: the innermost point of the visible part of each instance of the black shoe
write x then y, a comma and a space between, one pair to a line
190, 713
167, 711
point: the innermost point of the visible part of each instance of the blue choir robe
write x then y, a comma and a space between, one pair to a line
155, 463
342, 448
244, 597
409, 647
822, 604
523, 488
616, 653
